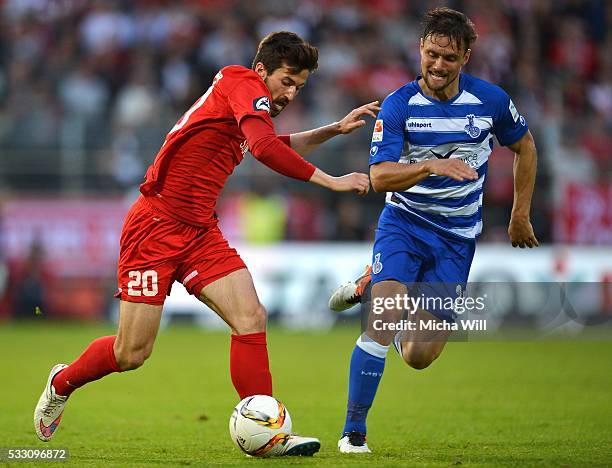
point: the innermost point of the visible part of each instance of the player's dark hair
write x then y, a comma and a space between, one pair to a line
450, 23
288, 48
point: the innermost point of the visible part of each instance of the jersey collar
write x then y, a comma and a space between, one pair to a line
435, 101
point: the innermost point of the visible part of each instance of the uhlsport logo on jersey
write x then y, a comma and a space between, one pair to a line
261, 104
471, 129
377, 265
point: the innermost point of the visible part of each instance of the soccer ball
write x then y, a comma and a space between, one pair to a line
260, 425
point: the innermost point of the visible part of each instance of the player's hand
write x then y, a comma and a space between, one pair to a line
453, 168
354, 182
521, 233
354, 119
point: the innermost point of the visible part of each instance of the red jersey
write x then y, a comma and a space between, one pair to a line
204, 147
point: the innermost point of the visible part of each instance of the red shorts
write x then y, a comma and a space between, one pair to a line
156, 250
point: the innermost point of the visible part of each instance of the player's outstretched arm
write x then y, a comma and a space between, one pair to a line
520, 229
390, 176
267, 148
305, 142
353, 182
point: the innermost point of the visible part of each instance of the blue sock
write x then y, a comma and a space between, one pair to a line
367, 365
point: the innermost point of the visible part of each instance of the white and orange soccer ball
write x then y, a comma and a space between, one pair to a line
260, 426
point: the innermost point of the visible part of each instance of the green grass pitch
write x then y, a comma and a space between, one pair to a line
546, 403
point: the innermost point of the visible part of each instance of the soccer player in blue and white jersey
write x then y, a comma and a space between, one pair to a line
429, 153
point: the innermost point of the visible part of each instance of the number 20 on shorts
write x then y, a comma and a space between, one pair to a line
145, 282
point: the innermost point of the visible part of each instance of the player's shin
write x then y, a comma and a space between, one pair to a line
94, 363
366, 369
249, 366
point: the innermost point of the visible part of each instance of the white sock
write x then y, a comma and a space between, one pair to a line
370, 346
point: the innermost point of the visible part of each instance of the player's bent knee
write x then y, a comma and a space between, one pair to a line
253, 321
419, 359
419, 364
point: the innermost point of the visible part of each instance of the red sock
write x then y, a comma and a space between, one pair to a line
96, 361
249, 365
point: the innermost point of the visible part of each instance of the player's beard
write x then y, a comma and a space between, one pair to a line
435, 86
277, 106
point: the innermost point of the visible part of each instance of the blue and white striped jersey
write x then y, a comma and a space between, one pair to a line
413, 127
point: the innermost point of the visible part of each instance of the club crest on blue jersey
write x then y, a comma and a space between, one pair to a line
471, 129
377, 265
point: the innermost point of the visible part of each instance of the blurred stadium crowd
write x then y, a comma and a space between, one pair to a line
88, 90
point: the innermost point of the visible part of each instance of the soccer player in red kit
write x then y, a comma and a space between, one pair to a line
171, 231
